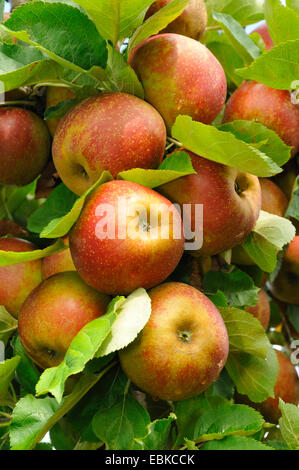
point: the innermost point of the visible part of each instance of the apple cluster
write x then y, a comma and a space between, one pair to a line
184, 346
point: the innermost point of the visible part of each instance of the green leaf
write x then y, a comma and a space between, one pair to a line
173, 167
222, 147
158, 21
24, 65
289, 424
27, 373
132, 317
237, 286
235, 443
277, 68
120, 75
81, 350
293, 315
228, 57
61, 210
282, 22
270, 234
239, 39
29, 417
8, 325
253, 376
118, 19
243, 11
7, 371
294, 4
74, 43
245, 332
122, 425
8, 258
228, 420
224, 386
293, 209
266, 140
12, 197
158, 434
189, 411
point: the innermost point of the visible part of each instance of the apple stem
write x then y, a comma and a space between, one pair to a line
10, 103
174, 141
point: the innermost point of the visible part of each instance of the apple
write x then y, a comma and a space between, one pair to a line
54, 313
274, 200
122, 239
182, 348
273, 108
286, 388
180, 76
110, 131
192, 22
58, 262
231, 202
18, 280
25, 146
54, 96
261, 310
285, 286
263, 31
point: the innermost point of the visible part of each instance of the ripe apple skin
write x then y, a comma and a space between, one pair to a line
119, 266
228, 217
261, 310
180, 76
58, 262
54, 96
18, 280
54, 313
285, 286
25, 146
192, 22
254, 101
183, 347
110, 131
286, 388
274, 200
263, 31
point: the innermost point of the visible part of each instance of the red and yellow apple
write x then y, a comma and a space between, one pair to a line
18, 280
54, 96
183, 347
286, 388
110, 131
273, 108
274, 200
58, 262
261, 310
25, 146
54, 313
285, 286
192, 21
180, 76
127, 236
231, 202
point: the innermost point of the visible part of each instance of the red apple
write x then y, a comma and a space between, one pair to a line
231, 202
274, 200
263, 31
180, 76
18, 280
117, 250
286, 388
54, 313
58, 262
285, 286
54, 96
261, 310
111, 131
25, 146
183, 347
192, 22
254, 101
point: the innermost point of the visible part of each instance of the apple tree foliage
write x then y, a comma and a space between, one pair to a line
87, 402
